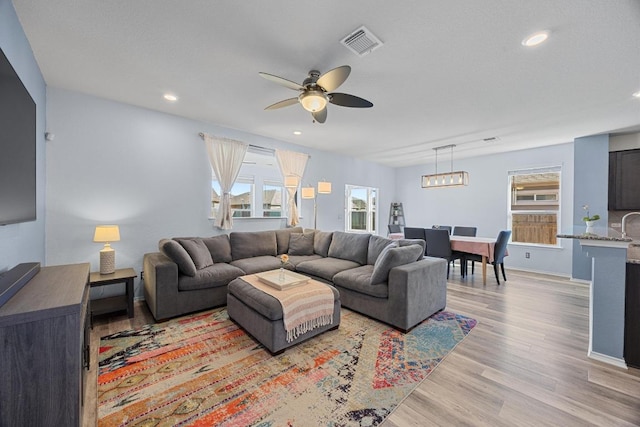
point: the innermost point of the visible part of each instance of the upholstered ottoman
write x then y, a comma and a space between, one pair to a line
261, 315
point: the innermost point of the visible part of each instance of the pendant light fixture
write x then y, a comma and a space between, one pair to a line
447, 179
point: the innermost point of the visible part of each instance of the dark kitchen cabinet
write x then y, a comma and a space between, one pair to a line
632, 316
624, 180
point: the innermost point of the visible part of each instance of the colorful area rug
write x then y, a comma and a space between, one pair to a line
203, 370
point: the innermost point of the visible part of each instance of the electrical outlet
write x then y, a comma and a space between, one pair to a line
616, 225
527, 255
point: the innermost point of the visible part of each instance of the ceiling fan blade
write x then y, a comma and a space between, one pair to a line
284, 103
332, 79
320, 116
281, 81
346, 100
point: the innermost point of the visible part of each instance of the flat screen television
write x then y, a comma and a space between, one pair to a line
17, 148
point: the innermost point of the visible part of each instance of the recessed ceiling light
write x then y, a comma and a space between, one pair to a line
637, 94
297, 132
170, 97
535, 39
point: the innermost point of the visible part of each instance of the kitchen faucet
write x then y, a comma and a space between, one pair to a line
624, 223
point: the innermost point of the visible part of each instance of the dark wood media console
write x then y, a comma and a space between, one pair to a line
44, 349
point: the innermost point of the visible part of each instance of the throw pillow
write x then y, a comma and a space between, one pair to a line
179, 255
391, 257
321, 242
301, 243
198, 252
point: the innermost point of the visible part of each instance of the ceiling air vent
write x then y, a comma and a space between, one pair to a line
361, 41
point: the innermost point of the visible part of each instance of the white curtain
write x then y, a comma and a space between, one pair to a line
292, 163
226, 156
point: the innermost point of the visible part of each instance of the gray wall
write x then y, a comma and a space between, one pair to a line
484, 203
591, 187
24, 242
149, 173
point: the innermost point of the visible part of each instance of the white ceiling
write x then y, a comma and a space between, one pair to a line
449, 72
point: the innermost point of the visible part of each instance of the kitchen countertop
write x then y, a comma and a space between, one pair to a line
605, 235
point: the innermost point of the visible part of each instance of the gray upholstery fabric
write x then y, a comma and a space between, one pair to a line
219, 247
258, 264
349, 246
359, 279
321, 242
301, 243
325, 267
198, 252
376, 245
409, 242
179, 255
294, 260
252, 244
218, 274
282, 238
393, 257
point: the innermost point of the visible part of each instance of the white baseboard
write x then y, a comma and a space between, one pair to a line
620, 363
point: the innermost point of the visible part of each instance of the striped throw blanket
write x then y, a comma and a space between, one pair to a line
304, 308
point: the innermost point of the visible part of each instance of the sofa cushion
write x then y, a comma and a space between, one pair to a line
249, 244
359, 279
301, 243
321, 242
325, 268
393, 257
409, 242
349, 246
294, 260
258, 264
179, 255
376, 245
282, 238
216, 275
198, 252
219, 247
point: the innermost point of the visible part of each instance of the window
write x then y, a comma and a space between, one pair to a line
534, 206
241, 197
258, 192
361, 209
272, 199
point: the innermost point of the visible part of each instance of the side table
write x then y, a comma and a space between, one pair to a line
116, 303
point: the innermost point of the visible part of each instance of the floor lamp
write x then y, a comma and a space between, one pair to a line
324, 187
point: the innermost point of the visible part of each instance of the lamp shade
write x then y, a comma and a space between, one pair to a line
308, 192
313, 100
107, 233
324, 187
291, 181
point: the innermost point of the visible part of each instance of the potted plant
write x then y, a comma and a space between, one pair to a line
588, 219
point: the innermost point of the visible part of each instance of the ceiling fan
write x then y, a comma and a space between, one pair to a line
317, 90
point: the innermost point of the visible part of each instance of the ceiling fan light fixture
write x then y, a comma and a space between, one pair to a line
313, 100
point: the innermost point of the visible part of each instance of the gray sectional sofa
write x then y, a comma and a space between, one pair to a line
389, 280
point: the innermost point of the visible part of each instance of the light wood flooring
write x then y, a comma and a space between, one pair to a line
524, 364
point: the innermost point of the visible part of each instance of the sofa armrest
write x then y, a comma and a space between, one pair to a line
417, 290
160, 283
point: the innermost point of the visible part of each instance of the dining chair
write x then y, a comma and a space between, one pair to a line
442, 227
394, 228
499, 251
414, 233
460, 230
439, 246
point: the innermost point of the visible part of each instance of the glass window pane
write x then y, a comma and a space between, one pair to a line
272, 199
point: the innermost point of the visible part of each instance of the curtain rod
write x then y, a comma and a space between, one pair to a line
201, 134
272, 150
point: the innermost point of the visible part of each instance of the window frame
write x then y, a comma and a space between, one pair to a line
371, 216
535, 210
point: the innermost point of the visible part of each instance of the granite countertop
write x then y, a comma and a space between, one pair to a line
607, 235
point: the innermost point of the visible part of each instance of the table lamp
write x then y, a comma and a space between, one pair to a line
107, 234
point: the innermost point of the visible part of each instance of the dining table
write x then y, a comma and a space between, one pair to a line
483, 246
